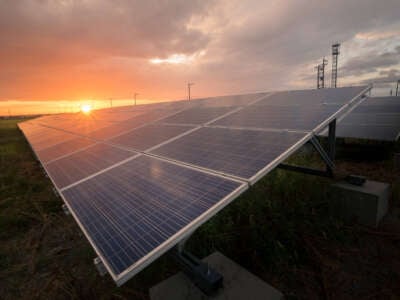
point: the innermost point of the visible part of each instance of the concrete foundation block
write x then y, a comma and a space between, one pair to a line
368, 203
238, 284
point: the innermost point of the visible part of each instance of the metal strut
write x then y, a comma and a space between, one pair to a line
202, 275
328, 157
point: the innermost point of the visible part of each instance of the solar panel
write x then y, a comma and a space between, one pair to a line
79, 165
377, 118
148, 136
294, 117
312, 97
144, 207
241, 153
378, 109
48, 137
235, 100
63, 148
198, 115
370, 132
144, 185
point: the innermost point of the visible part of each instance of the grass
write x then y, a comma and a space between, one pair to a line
280, 229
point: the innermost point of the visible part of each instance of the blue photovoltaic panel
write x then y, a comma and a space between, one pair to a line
231, 100
293, 117
111, 131
49, 137
376, 118
79, 165
240, 153
136, 207
386, 101
377, 109
198, 115
148, 136
338, 96
370, 119
63, 148
370, 132
130, 124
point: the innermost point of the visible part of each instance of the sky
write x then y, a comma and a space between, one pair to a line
71, 51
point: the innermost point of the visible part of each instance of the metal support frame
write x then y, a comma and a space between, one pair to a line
327, 156
200, 273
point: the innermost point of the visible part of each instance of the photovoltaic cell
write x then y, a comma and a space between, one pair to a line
149, 136
111, 131
370, 119
49, 137
376, 118
231, 100
197, 115
295, 117
240, 153
63, 148
370, 132
136, 207
79, 165
338, 96
377, 109
386, 101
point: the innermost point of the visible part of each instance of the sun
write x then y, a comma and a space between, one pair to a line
86, 108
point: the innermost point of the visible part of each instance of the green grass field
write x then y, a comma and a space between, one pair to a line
280, 230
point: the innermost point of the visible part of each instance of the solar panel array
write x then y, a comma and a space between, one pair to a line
140, 179
377, 118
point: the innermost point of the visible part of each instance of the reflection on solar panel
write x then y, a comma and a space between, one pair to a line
140, 183
377, 118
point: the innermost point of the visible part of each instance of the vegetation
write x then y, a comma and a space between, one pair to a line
281, 230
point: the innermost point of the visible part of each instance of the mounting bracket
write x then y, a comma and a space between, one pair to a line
65, 209
327, 156
200, 273
100, 266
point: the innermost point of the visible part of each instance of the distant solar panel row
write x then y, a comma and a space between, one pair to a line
140, 179
377, 118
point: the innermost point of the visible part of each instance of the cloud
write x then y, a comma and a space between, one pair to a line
372, 62
71, 49
391, 75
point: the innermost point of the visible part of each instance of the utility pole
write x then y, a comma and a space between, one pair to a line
135, 97
335, 55
189, 85
397, 87
111, 100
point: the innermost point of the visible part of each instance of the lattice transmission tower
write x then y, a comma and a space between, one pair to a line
335, 55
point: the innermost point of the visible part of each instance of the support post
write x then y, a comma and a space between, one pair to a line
331, 144
327, 157
202, 275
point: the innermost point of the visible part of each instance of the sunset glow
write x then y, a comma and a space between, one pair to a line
57, 54
86, 108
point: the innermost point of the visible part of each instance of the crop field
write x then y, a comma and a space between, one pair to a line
281, 230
